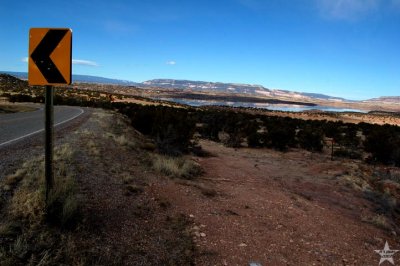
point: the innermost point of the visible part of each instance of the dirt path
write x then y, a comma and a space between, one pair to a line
119, 222
276, 208
123, 225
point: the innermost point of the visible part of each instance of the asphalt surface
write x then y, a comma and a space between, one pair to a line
17, 126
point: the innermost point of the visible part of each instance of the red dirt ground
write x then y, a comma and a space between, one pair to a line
275, 208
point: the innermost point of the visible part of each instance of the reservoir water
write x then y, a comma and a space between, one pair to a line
268, 106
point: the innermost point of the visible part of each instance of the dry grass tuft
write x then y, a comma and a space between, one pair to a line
28, 205
121, 140
14, 179
356, 182
10, 229
127, 178
93, 148
378, 220
62, 206
28, 200
176, 167
24, 224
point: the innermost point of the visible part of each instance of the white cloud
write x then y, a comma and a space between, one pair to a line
171, 63
347, 9
84, 62
74, 61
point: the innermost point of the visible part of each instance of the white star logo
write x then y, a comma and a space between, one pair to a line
386, 254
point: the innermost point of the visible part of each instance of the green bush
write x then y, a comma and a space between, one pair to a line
310, 139
383, 142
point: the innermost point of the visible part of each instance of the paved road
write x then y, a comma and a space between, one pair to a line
17, 126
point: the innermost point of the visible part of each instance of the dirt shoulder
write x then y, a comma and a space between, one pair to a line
124, 225
118, 223
274, 208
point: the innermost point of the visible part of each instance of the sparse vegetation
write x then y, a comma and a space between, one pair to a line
378, 220
27, 225
172, 129
383, 142
176, 167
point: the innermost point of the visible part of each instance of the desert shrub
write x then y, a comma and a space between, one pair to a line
20, 98
141, 118
347, 153
255, 140
171, 128
310, 139
279, 136
383, 142
173, 131
212, 123
254, 137
344, 134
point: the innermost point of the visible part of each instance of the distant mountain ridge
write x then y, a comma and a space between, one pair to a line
220, 87
81, 78
253, 90
391, 99
199, 86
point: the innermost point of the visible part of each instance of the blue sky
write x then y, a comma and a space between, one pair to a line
346, 48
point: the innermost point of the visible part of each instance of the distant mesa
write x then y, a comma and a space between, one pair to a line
197, 86
392, 99
214, 87
251, 90
80, 78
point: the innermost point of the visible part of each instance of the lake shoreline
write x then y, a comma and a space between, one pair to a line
271, 105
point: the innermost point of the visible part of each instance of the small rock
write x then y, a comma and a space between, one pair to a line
254, 264
242, 245
195, 228
202, 225
191, 215
202, 234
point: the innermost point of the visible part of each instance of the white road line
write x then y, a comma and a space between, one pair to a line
70, 118
38, 131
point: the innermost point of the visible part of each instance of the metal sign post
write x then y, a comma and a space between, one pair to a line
50, 58
49, 121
